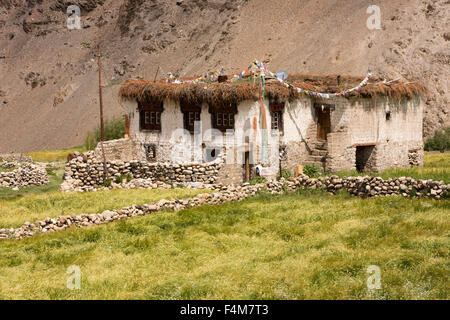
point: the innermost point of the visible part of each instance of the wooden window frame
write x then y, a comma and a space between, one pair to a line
150, 116
223, 120
276, 122
223, 116
276, 111
187, 117
190, 112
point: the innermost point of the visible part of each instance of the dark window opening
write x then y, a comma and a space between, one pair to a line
150, 115
388, 115
211, 154
150, 152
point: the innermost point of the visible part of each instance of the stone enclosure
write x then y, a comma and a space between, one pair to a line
22, 174
88, 173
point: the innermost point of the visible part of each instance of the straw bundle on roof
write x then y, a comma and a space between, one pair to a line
219, 93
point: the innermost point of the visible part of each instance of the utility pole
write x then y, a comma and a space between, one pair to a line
102, 129
156, 73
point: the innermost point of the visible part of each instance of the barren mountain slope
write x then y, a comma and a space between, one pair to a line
48, 79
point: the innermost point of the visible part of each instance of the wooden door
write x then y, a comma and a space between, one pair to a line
323, 123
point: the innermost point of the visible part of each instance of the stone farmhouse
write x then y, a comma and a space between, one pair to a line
258, 131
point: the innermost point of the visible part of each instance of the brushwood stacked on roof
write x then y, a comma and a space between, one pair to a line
220, 93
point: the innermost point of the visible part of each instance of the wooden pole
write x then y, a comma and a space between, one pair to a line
264, 124
102, 129
247, 166
157, 70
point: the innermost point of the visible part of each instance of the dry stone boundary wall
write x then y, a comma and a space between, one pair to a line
26, 174
359, 186
87, 173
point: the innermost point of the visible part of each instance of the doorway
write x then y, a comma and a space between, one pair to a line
365, 158
323, 121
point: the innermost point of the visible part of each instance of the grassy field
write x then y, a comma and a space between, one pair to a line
297, 246
436, 167
305, 245
55, 179
36, 206
54, 155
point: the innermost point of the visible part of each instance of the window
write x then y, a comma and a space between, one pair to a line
277, 120
150, 115
222, 116
189, 118
276, 114
223, 120
388, 115
191, 113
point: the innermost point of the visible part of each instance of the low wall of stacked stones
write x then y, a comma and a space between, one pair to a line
84, 173
359, 186
26, 174
377, 187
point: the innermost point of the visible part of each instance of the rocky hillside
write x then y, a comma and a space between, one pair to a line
48, 76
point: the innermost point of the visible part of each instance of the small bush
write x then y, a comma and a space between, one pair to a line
118, 179
114, 129
440, 141
312, 170
285, 173
107, 183
413, 192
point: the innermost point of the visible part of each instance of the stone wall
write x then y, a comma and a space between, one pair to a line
377, 187
86, 174
120, 149
14, 157
359, 186
26, 174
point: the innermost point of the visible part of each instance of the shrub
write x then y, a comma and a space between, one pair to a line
285, 173
118, 179
312, 170
440, 141
107, 183
114, 129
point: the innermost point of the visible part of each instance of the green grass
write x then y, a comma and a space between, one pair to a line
39, 202
54, 155
436, 167
4, 169
33, 206
298, 246
55, 179
304, 245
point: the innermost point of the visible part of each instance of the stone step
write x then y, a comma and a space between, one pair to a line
316, 158
319, 152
